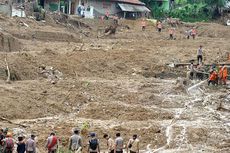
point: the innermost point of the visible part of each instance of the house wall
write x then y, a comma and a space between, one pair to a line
100, 7
52, 5
166, 5
18, 12
5, 9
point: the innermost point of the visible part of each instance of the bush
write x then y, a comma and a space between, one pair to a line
188, 12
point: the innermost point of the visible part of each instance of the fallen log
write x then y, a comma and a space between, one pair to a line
9, 121
187, 64
196, 85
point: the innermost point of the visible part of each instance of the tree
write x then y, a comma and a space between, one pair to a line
216, 6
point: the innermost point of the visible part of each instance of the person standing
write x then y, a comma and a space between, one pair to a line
223, 75
133, 145
191, 69
2, 137
52, 143
94, 146
8, 143
159, 26
171, 33
143, 24
75, 142
193, 32
200, 54
21, 145
213, 78
31, 144
119, 142
110, 143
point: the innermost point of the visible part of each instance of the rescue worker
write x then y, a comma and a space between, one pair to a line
115, 20
8, 143
200, 71
225, 75
191, 71
2, 137
193, 33
159, 26
200, 54
213, 78
188, 33
220, 75
143, 24
107, 15
171, 33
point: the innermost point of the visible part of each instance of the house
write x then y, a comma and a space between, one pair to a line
97, 8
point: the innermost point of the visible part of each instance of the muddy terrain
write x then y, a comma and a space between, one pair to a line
117, 83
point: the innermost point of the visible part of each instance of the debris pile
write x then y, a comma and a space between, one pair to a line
53, 75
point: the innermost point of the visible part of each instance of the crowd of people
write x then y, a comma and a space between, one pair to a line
172, 30
217, 74
117, 145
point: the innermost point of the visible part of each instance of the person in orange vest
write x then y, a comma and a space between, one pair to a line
143, 24
171, 33
193, 33
213, 78
225, 75
159, 26
220, 75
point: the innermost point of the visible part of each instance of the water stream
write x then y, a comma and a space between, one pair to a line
195, 95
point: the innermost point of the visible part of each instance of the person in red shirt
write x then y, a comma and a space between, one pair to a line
52, 143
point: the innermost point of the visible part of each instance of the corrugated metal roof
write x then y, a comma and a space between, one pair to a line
130, 1
133, 8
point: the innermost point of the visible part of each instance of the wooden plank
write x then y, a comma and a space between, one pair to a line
187, 64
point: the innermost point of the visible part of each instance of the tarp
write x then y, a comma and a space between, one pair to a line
133, 8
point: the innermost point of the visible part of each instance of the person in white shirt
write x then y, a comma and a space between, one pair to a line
110, 143
31, 145
133, 145
200, 54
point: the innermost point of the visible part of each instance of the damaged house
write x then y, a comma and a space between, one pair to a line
97, 8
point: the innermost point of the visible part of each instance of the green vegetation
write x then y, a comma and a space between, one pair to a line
188, 10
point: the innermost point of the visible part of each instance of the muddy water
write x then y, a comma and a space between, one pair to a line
205, 116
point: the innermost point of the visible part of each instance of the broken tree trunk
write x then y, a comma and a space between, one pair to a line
7, 120
8, 70
197, 85
109, 31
